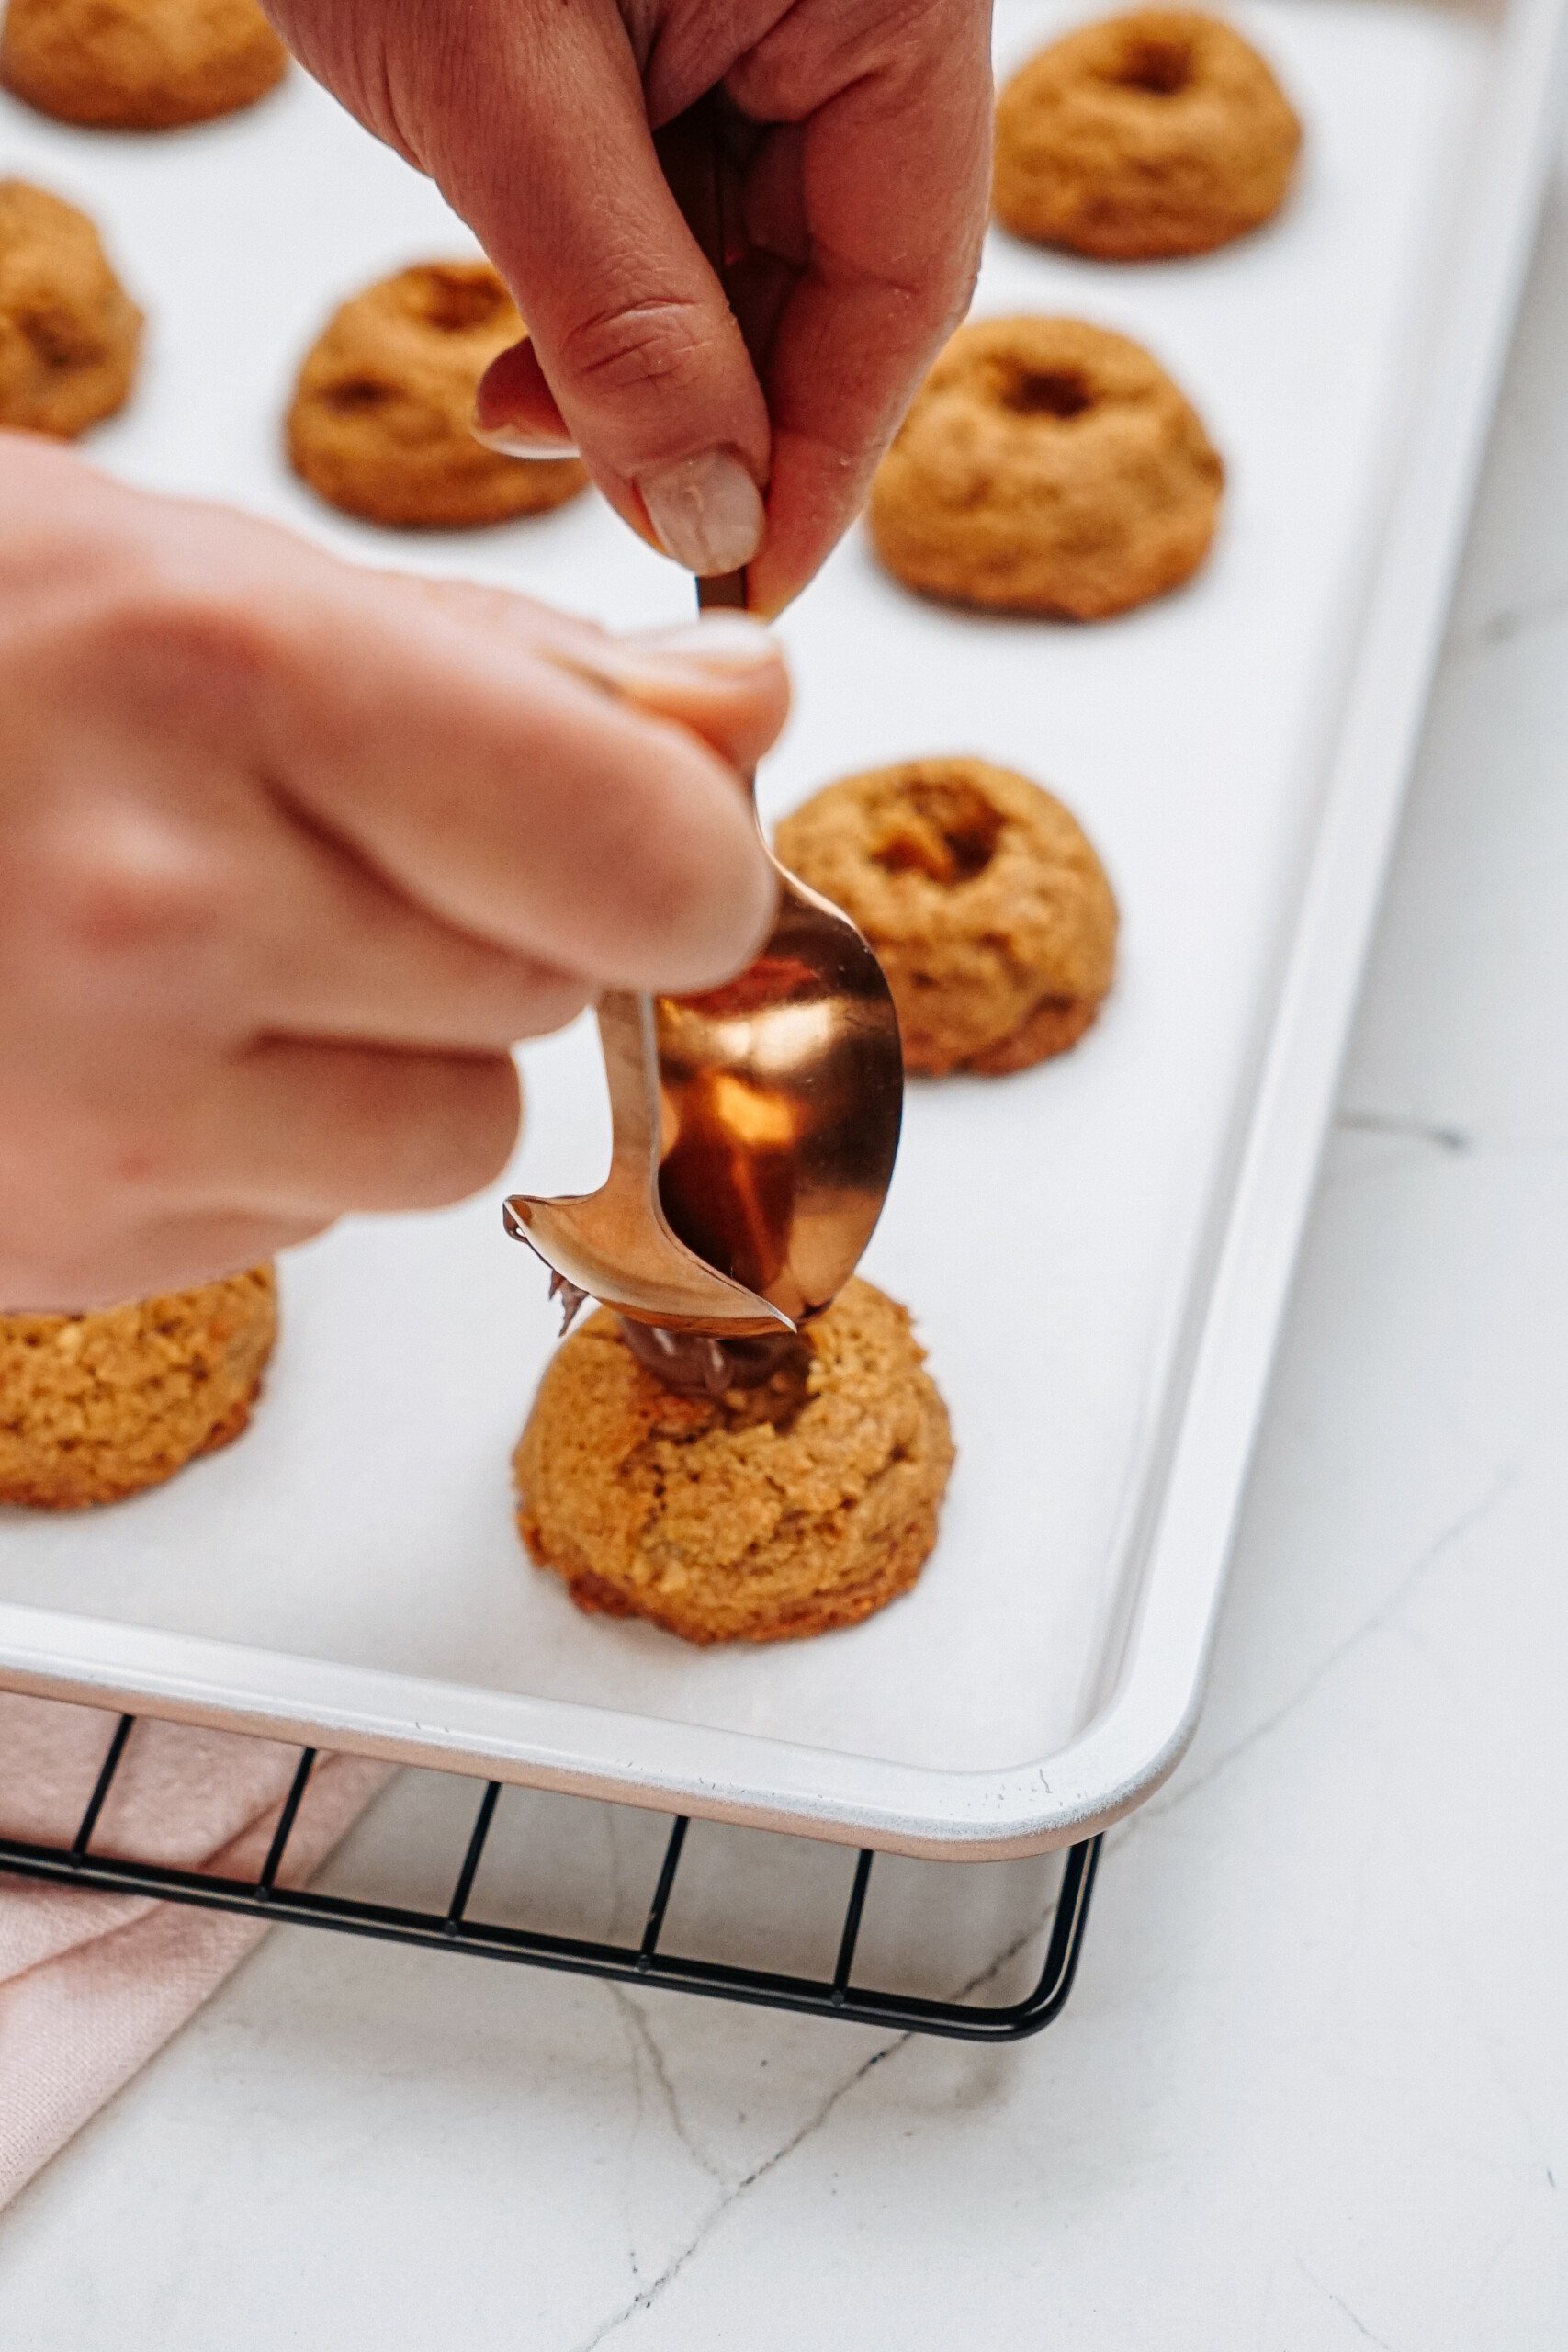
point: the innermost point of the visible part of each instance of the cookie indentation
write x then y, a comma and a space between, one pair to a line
1159, 68
1046, 392
357, 394
459, 301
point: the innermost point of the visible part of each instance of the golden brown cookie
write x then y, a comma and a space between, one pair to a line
757, 1516
139, 64
1046, 467
94, 1407
69, 332
1143, 137
985, 901
381, 420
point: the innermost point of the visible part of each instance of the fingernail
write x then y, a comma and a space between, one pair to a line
728, 645
731, 642
522, 441
707, 512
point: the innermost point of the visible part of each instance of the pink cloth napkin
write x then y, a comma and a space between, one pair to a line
93, 1985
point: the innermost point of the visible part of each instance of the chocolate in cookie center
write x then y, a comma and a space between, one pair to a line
699, 1363
942, 827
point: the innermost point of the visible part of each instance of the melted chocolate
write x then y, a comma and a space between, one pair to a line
571, 1300
697, 1363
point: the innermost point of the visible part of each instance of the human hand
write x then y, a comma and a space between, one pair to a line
863, 198
291, 853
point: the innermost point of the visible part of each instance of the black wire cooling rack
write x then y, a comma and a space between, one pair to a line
645, 1962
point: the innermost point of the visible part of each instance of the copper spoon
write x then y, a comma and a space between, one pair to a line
755, 1126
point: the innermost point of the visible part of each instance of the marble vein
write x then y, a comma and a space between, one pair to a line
1508, 622
1448, 1136
649, 2295
1339, 2303
1458, 1528
642, 2035
1408, 1126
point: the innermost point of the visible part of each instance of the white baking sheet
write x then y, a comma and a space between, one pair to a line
1053, 1232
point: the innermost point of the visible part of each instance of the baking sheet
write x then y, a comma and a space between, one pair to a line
1057, 1234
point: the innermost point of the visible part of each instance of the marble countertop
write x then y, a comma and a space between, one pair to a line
1311, 2088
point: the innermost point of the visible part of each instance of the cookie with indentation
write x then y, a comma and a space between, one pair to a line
987, 906
380, 424
1143, 137
96, 1406
1047, 466
69, 332
139, 64
759, 1515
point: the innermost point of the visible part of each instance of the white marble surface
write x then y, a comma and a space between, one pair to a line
1312, 2090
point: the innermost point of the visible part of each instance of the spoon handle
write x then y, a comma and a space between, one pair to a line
722, 592
694, 153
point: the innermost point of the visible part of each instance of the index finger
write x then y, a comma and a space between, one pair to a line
543, 805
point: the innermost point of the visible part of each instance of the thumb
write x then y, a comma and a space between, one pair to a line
628, 325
